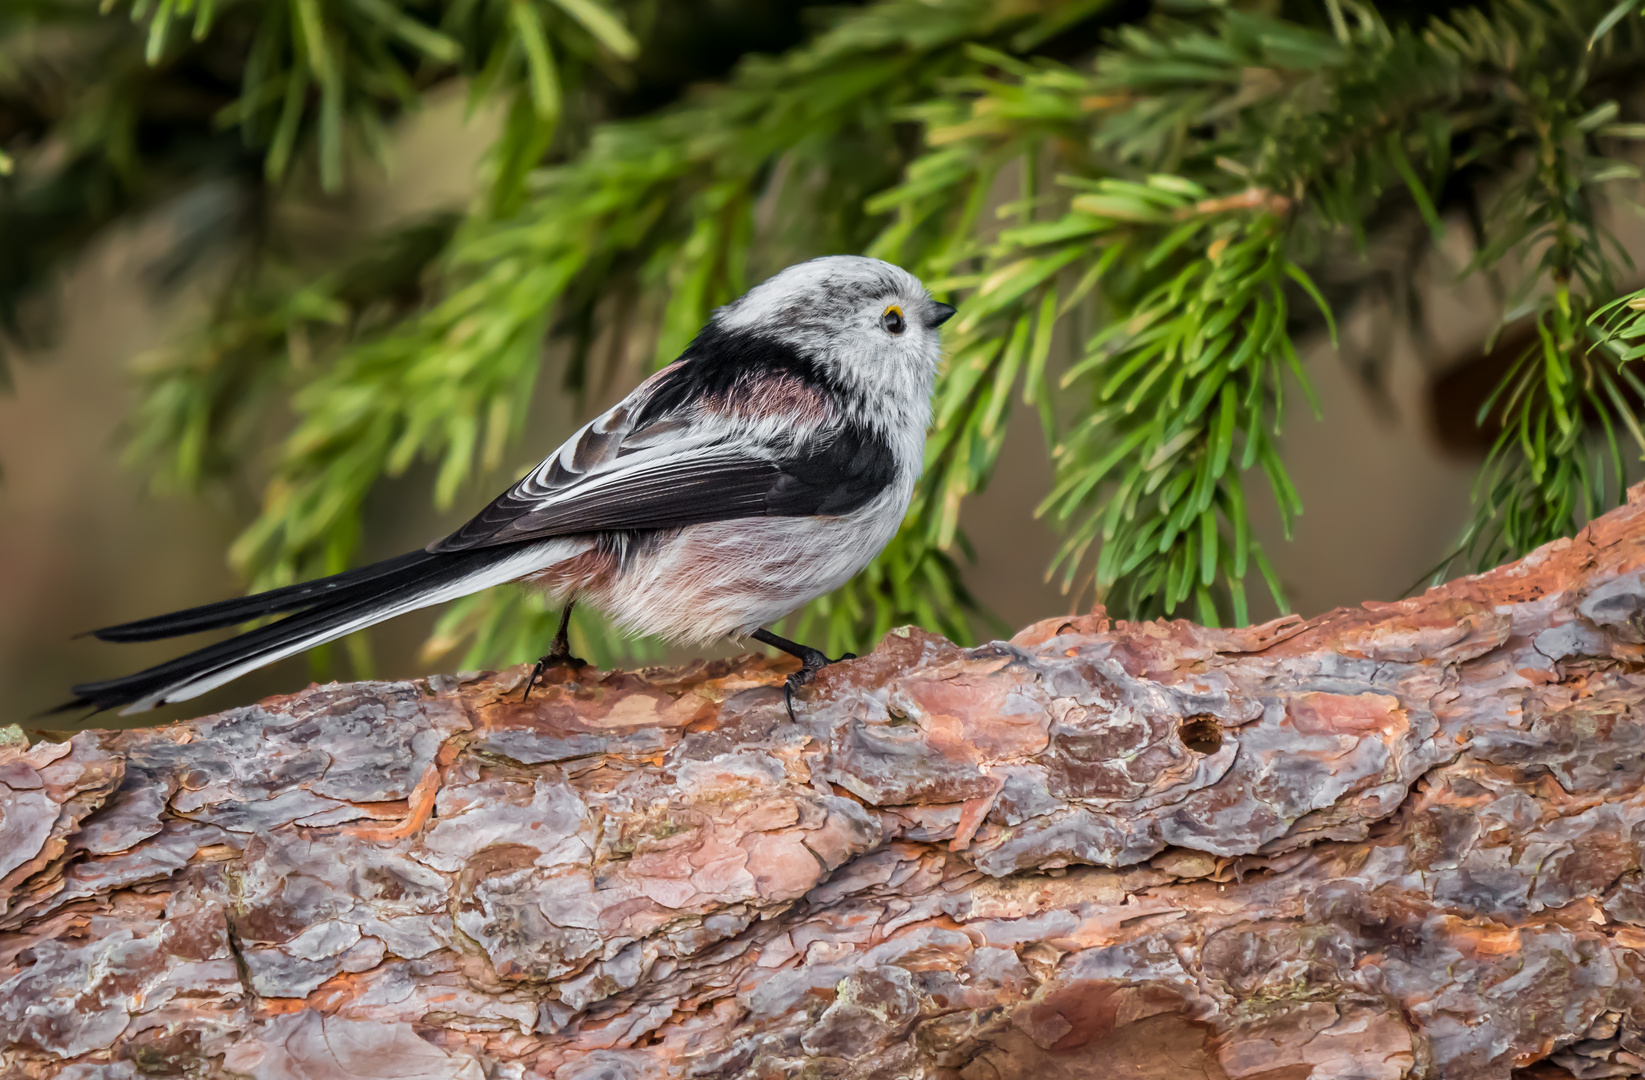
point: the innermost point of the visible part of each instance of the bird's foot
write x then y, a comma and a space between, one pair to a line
558, 658
811, 662
559, 652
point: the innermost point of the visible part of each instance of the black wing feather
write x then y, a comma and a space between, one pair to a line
839, 470
837, 477
672, 495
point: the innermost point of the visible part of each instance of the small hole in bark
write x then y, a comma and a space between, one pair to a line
897, 717
1201, 734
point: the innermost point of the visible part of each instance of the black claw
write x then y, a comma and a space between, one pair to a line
794, 682
554, 659
811, 661
559, 654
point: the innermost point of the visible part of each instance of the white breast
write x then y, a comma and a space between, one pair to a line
732, 577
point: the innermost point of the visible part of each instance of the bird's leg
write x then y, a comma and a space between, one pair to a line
811, 662
559, 652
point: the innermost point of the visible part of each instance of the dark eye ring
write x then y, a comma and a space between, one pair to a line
893, 321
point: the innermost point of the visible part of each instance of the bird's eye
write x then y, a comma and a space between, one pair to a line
893, 321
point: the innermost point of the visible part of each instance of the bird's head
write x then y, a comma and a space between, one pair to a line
868, 324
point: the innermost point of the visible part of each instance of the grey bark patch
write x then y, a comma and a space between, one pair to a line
307, 1046
546, 816
157, 860
606, 1065
1618, 605
38, 1015
1570, 639
26, 818
278, 974
543, 748
113, 1070
508, 916
263, 815
131, 815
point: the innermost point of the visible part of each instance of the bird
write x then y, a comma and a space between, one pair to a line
765, 466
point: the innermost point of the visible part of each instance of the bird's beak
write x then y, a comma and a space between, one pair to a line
940, 313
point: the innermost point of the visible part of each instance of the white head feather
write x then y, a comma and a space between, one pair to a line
834, 311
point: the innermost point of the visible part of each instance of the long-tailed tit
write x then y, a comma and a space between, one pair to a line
763, 468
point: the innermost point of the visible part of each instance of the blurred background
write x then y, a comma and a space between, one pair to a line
185, 273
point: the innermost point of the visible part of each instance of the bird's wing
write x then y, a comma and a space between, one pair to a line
633, 469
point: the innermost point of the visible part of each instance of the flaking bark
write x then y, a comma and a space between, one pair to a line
1398, 840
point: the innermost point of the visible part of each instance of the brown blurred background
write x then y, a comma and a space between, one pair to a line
1384, 476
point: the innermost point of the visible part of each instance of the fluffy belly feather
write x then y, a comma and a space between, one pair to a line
729, 578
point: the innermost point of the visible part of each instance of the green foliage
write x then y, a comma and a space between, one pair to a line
1199, 167
1175, 199
221, 98
73, 101
196, 420
1566, 406
317, 70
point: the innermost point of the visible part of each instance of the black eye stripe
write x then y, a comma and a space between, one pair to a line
893, 321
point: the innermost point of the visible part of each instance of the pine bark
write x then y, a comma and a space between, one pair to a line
1403, 839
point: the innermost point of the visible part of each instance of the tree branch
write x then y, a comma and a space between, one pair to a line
1397, 840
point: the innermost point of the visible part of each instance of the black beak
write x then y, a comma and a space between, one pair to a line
940, 313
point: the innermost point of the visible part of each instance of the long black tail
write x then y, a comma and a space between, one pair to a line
320, 611
338, 588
